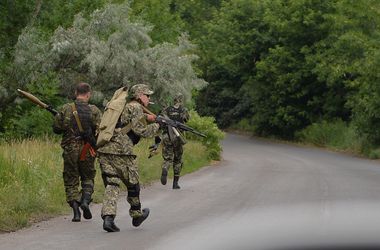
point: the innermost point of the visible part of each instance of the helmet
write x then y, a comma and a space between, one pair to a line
138, 89
178, 98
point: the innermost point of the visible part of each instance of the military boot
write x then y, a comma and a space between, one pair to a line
175, 182
76, 211
164, 176
137, 221
85, 205
109, 224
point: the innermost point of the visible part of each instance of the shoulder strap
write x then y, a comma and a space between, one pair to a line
75, 113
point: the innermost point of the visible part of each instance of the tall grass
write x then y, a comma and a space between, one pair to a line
31, 184
334, 135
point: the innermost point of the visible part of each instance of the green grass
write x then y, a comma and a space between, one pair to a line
336, 135
31, 184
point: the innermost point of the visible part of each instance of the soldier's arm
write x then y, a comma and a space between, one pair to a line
139, 124
59, 121
96, 118
185, 115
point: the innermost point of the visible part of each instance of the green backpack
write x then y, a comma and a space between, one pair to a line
111, 115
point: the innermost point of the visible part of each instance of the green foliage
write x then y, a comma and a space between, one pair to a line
207, 126
194, 14
336, 134
232, 45
167, 24
108, 50
283, 65
25, 119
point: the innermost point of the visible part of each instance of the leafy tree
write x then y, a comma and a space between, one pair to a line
235, 40
108, 51
349, 56
282, 65
41, 16
166, 22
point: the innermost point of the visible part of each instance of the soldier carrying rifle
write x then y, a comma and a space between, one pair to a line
78, 122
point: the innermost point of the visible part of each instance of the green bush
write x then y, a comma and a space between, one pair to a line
335, 134
25, 119
244, 125
207, 126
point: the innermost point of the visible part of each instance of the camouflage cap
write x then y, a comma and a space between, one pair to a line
178, 98
138, 89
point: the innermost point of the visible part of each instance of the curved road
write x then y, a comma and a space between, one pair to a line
261, 196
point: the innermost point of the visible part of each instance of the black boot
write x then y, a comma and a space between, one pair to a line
164, 176
109, 224
86, 199
76, 211
175, 182
137, 221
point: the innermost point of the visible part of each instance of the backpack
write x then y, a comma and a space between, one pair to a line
111, 115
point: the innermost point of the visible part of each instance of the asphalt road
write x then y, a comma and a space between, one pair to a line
262, 195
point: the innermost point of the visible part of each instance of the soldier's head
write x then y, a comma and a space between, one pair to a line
141, 93
178, 99
83, 91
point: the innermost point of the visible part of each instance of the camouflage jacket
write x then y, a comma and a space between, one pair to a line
65, 124
132, 116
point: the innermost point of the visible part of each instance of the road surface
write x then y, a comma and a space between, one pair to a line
262, 195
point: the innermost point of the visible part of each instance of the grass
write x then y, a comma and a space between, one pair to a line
31, 184
336, 135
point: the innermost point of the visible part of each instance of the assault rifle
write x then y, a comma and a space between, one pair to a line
37, 101
178, 125
174, 128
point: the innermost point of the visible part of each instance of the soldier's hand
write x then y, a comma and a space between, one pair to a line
153, 150
160, 121
151, 118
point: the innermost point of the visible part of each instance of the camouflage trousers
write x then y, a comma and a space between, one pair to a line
76, 172
172, 153
117, 169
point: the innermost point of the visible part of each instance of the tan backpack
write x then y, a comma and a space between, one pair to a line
111, 115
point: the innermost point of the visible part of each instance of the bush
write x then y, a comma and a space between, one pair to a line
25, 119
335, 134
207, 126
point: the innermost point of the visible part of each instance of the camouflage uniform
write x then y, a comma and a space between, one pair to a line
74, 170
172, 150
118, 161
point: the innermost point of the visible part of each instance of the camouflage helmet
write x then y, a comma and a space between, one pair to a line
178, 98
138, 89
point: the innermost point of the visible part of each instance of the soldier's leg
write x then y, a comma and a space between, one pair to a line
87, 173
112, 182
71, 181
177, 164
167, 155
131, 179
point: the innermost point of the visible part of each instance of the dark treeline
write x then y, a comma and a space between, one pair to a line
279, 66
274, 67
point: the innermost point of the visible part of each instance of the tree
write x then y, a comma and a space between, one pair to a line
166, 22
108, 51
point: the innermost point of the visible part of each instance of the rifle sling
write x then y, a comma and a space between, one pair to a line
75, 114
87, 146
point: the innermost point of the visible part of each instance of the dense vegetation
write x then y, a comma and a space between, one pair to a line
276, 67
289, 69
